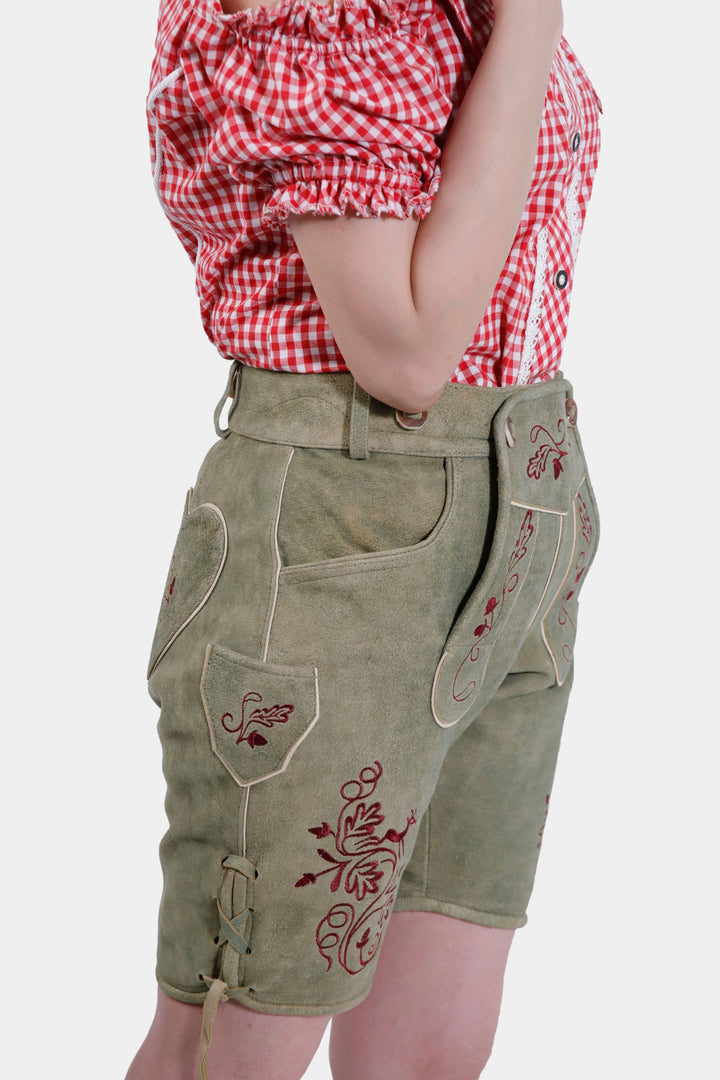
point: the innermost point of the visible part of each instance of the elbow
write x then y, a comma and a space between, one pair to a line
417, 399
409, 385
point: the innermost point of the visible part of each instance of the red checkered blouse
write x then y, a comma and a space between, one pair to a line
311, 108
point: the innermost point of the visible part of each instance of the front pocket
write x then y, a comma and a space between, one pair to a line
391, 512
258, 713
195, 567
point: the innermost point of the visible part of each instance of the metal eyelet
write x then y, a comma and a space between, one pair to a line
571, 410
410, 421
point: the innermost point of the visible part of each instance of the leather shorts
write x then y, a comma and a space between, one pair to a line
363, 658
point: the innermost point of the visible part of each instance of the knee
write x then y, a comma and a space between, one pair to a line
458, 1062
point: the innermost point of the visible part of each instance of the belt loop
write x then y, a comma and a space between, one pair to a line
232, 389
359, 417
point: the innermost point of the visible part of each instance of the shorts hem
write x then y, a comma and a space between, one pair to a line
251, 1001
457, 911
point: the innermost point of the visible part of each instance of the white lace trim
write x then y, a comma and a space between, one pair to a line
532, 326
152, 98
572, 205
572, 212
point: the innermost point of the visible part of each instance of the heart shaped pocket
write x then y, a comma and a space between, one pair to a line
195, 567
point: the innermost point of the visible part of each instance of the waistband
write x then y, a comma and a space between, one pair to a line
331, 411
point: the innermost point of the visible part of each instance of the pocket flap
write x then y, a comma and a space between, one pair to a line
492, 625
560, 621
539, 447
258, 713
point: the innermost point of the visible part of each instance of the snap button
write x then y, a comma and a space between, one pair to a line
576, 142
561, 279
571, 410
411, 421
509, 433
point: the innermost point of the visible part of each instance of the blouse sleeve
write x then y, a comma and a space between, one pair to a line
330, 107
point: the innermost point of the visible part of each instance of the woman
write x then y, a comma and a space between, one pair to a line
364, 648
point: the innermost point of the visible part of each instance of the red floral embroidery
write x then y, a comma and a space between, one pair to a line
585, 522
565, 614
494, 607
273, 714
365, 864
547, 450
167, 596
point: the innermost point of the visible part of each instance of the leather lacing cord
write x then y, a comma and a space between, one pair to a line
231, 931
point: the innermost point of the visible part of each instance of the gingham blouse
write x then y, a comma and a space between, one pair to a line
311, 108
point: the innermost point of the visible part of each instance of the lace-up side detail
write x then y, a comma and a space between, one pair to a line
235, 891
216, 993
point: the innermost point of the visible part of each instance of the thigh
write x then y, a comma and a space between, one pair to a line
434, 1005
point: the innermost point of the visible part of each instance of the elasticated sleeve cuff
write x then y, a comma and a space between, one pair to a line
335, 186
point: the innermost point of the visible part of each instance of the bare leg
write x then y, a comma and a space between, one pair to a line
434, 1005
245, 1044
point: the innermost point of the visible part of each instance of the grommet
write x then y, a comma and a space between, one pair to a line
576, 142
561, 279
509, 434
411, 421
571, 410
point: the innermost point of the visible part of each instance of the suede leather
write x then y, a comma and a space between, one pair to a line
363, 682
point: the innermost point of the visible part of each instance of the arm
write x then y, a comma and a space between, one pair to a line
403, 298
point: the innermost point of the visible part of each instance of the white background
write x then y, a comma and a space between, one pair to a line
108, 389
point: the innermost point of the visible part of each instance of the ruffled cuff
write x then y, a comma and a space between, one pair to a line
369, 190
324, 24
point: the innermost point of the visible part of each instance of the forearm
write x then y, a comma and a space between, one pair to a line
487, 164
403, 298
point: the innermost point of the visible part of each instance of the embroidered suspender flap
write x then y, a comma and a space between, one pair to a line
541, 487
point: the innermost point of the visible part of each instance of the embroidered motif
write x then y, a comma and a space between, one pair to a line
565, 614
366, 865
195, 567
552, 449
559, 624
274, 714
494, 607
585, 522
542, 827
167, 596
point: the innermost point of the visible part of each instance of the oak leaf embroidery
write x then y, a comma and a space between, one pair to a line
267, 717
